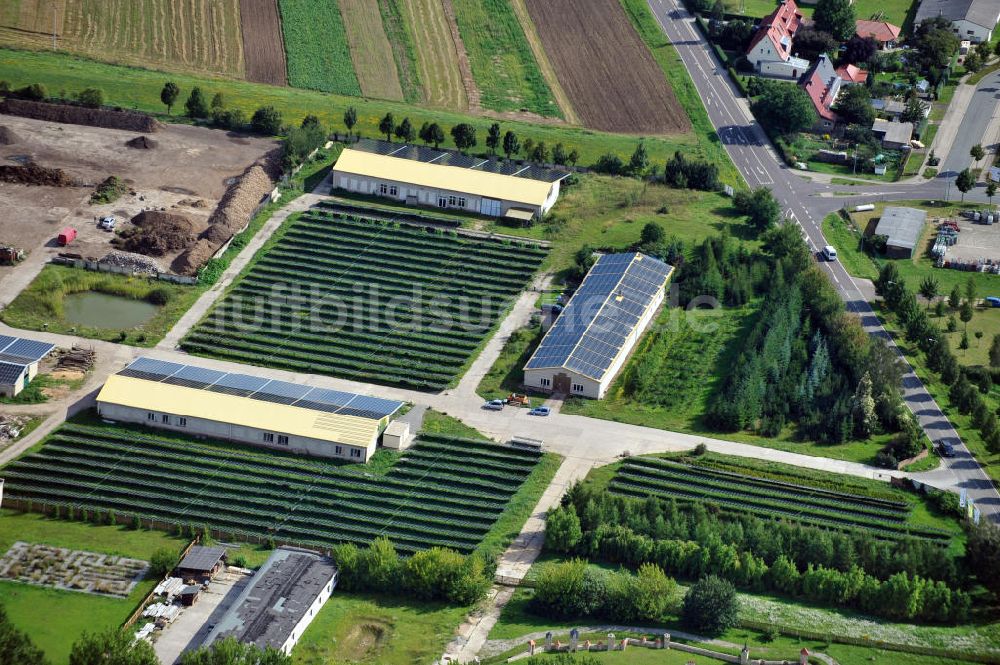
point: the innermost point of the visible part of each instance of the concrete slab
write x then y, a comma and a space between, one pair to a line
193, 624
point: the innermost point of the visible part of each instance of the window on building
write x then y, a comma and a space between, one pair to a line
339, 450
452, 200
355, 452
165, 419
545, 382
461, 201
383, 189
442, 202
577, 388
282, 440
268, 437
183, 422
150, 416
393, 190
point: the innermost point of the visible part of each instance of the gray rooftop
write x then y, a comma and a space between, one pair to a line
902, 226
985, 13
279, 596
894, 132
202, 558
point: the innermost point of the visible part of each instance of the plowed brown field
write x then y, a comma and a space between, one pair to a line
610, 76
263, 46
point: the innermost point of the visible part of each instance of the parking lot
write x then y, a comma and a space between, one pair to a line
976, 241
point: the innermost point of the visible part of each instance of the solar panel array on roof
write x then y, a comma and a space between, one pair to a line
24, 351
265, 390
202, 558
10, 373
450, 158
593, 328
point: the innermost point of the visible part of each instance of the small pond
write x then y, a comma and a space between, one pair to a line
101, 310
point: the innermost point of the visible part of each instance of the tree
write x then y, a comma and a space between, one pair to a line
161, 562
350, 119
991, 191
16, 647
982, 550
965, 181
785, 109
92, 97
266, 120
511, 144
435, 134
835, 17
639, 162
493, 138
169, 95
970, 290
540, 153
854, 106
955, 297
196, 106
573, 157
977, 152
464, 136
652, 234
860, 50
995, 351
914, 111
112, 647
973, 62
405, 131
386, 125
219, 102
718, 10
929, 289
865, 418
760, 206
966, 315
562, 529
711, 606
559, 154
934, 43
231, 652
810, 43
310, 121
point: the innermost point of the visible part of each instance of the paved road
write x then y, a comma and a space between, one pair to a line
807, 203
983, 106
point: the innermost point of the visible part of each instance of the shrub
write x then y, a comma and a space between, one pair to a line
711, 606
162, 562
92, 97
266, 120
562, 529
35, 92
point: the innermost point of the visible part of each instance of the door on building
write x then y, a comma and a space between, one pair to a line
561, 384
489, 207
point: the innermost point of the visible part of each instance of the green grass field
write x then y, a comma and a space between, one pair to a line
403, 50
502, 63
56, 618
316, 47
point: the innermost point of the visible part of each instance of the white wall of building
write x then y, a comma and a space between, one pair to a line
972, 31
314, 609
250, 435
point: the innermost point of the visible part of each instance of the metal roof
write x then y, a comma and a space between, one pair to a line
202, 558
23, 350
440, 175
984, 13
592, 330
894, 132
11, 373
273, 604
902, 225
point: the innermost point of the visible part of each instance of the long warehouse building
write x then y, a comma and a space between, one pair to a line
441, 179
246, 409
594, 334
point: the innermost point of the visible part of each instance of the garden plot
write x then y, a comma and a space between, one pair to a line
72, 570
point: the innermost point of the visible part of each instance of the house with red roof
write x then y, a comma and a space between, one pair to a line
770, 49
852, 74
822, 84
886, 34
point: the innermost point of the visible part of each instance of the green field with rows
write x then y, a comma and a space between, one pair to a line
765, 497
316, 47
372, 301
441, 492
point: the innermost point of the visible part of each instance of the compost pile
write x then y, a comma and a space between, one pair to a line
230, 217
142, 143
134, 262
32, 174
80, 115
7, 136
157, 233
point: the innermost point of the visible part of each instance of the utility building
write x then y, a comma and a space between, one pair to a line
19, 360
447, 180
594, 334
284, 597
246, 409
972, 20
902, 228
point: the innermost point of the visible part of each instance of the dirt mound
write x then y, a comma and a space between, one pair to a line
80, 115
32, 174
142, 143
157, 233
232, 214
7, 136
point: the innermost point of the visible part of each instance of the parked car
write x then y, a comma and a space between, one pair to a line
494, 405
107, 223
945, 449
829, 253
540, 411
993, 301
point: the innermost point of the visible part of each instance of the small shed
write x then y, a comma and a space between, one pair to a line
397, 435
893, 135
902, 228
66, 236
202, 563
189, 595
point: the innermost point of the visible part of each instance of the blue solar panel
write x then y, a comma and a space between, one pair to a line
10, 373
601, 316
28, 348
194, 377
281, 392
238, 384
6, 340
150, 369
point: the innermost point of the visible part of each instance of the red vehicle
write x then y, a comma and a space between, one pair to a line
66, 236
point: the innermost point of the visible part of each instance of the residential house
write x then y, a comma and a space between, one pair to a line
852, 74
883, 32
770, 49
973, 20
822, 84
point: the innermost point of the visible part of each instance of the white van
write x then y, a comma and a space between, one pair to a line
829, 253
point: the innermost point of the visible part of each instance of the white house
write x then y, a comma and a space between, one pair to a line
19, 358
447, 180
972, 20
246, 409
594, 334
770, 49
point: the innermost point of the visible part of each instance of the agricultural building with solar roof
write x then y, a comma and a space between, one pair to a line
246, 409
450, 180
19, 360
594, 334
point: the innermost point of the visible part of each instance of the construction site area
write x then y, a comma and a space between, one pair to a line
160, 189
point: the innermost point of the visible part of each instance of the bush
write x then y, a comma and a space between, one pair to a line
35, 92
266, 120
159, 296
162, 562
711, 606
562, 529
92, 97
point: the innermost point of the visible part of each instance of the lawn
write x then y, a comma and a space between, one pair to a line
375, 629
316, 47
436, 422
56, 618
501, 59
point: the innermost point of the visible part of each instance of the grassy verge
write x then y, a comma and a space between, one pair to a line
436, 422
846, 238
507, 374
133, 87
56, 618
35, 392
521, 505
375, 629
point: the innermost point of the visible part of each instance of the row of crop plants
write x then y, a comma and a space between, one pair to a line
374, 301
441, 492
644, 476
